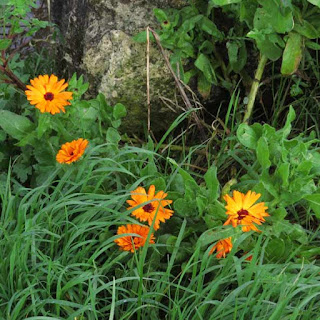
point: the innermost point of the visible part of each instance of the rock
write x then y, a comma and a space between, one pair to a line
98, 42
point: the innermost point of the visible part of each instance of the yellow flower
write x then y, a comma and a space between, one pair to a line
223, 247
132, 243
153, 205
71, 151
241, 210
47, 94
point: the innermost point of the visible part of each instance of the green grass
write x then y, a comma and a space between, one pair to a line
58, 259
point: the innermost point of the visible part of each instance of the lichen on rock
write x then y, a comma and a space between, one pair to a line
116, 65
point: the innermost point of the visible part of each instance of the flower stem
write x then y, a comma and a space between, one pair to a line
254, 88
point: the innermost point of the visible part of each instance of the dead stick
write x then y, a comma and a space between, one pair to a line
148, 79
178, 84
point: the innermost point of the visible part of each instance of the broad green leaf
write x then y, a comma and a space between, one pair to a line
141, 37
15, 125
297, 233
43, 124
314, 201
292, 54
209, 27
119, 111
275, 249
285, 131
224, 2
263, 153
247, 136
204, 65
283, 171
204, 86
113, 136
212, 183
315, 2
5, 43
201, 202
307, 30
268, 45
160, 15
279, 213
185, 208
312, 45
272, 17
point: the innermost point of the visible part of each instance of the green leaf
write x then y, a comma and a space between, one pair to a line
247, 136
297, 233
283, 171
159, 183
160, 15
113, 136
201, 202
212, 183
209, 27
268, 44
15, 125
263, 153
287, 127
307, 30
43, 124
275, 249
204, 65
119, 111
315, 2
224, 2
279, 213
141, 37
185, 208
292, 54
272, 17
204, 86
312, 45
5, 43
314, 202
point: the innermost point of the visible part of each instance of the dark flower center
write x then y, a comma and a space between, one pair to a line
49, 96
165, 22
148, 208
242, 213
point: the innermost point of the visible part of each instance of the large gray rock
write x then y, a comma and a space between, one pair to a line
98, 42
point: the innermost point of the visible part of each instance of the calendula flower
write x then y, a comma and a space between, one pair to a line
242, 211
223, 247
72, 151
150, 205
47, 94
132, 243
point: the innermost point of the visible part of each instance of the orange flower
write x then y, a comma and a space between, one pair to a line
132, 243
72, 151
223, 247
153, 205
47, 94
241, 210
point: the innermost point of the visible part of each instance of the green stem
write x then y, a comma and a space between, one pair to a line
254, 88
